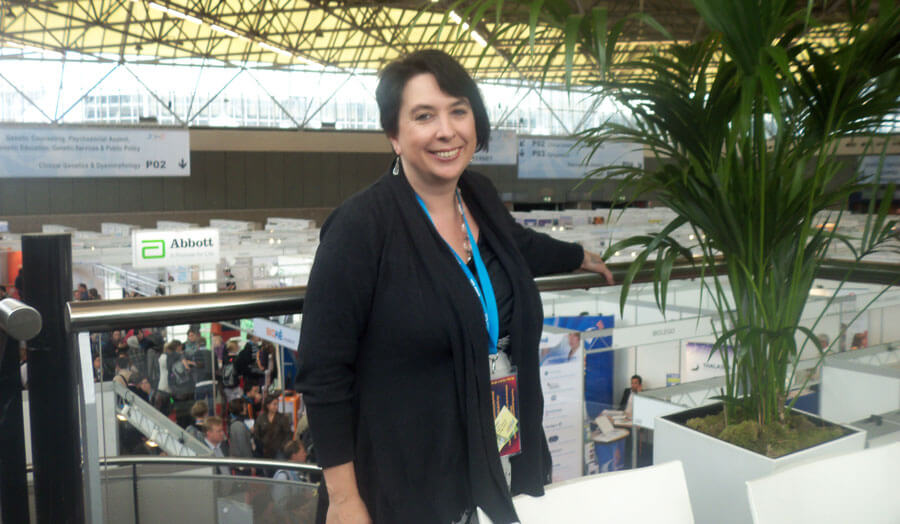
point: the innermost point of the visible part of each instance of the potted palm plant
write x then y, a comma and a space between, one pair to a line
744, 125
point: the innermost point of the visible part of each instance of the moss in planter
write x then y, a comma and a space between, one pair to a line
774, 440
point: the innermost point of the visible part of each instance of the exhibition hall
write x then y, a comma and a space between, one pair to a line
528, 261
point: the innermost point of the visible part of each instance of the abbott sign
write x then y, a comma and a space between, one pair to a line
187, 247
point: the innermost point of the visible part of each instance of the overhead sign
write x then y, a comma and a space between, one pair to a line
187, 247
559, 158
502, 151
890, 169
56, 152
276, 333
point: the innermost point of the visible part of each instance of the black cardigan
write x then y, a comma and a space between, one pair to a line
393, 355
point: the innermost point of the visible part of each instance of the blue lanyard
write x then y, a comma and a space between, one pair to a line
484, 290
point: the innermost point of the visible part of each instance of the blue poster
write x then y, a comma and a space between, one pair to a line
598, 367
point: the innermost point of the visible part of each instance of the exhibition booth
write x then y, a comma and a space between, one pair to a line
589, 350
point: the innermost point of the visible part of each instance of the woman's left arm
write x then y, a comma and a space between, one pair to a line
546, 255
595, 264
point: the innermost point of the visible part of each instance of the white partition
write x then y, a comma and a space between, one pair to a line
639, 496
854, 487
860, 383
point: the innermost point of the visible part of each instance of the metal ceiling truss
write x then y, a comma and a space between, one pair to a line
352, 36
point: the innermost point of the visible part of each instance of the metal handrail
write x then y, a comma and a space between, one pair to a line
106, 315
18, 320
129, 460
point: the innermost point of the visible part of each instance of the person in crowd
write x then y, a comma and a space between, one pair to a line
231, 380
98, 368
93, 294
272, 429
139, 384
637, 385
246, 363
181, 384
229, 283
108, 350
199, 412
136, 354
3, 293
214, 438
218, 349
163, 399
266, 361
82, 292
287, 500
239, 435
253, 399
400, 339
193, 342
19, 283
123, 371
202, 370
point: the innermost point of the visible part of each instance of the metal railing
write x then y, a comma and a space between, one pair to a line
18, 320
84, 317
105, 315
129, 460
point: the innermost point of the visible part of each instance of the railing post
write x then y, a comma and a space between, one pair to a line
134, 494
14, 486
54, 380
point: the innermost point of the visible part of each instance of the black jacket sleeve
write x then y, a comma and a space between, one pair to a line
335, 315
545, 255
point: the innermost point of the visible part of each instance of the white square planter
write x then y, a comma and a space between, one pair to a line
716, 471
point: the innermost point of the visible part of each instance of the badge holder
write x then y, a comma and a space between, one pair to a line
505, 409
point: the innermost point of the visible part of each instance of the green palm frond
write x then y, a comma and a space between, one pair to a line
744, 125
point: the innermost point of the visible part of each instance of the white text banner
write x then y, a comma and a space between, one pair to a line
59, 152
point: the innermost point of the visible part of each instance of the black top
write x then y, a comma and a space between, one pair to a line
393, 355
500, 282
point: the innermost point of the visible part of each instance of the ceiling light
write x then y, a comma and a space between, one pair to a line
274, 49
228, 32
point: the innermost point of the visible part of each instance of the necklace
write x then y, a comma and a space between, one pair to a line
467, 247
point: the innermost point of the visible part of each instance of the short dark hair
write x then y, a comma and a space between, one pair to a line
638, 377
291, 447
199, 409
123, 362
451, 78
236, 406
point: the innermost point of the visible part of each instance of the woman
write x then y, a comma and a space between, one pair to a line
397, 347
163, 397
240, 439
272, 429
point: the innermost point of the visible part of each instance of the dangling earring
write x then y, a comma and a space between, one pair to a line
396, 170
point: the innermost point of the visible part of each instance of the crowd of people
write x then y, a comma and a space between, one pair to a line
222, 395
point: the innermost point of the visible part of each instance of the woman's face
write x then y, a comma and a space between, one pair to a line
272, 405
436, 135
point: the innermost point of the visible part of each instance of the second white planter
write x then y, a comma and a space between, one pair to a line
716, 471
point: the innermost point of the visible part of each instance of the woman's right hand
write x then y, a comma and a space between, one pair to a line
345, 506
351, 510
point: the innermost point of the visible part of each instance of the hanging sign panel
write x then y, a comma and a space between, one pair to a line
559, 158
276, 333
58, 152
187, 247
502, 151
562, 381
889, 166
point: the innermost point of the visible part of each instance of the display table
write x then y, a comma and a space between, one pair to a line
609, 448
